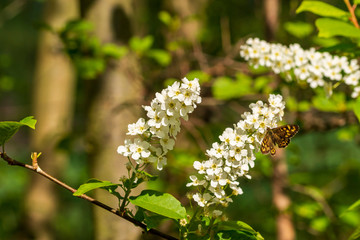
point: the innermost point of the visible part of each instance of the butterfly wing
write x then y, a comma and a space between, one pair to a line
286, 131
267, 145
283, 143
278, 136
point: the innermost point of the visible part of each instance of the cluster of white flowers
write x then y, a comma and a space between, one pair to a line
317, 68
156, 136
234, 155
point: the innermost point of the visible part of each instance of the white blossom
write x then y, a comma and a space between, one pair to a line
156, 136
318, 69
234, 156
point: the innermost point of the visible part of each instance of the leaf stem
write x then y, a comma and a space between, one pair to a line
128, 190
352, 13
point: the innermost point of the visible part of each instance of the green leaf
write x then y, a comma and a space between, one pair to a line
161, 203
340, 47
165, 17
325, 42
322, 9
140, 214
239, 227
299, 29
160, 56
330, 27
153, 221
357, 108
142, 177
114, 51
9, 128
319, 224
227, 88
140, 45
231, 235
355, 234
262, 83
356, 1
94, 184
355, 206
202, 76
335, 103
29, 121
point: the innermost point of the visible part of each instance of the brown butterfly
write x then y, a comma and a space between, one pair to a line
277, 136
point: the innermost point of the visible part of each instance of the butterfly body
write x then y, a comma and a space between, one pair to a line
279, 136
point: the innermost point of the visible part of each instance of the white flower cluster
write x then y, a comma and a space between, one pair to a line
317, 68
234, 155
156, 136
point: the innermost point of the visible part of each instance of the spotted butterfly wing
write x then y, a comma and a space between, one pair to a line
283, 143
267, 145
278, 136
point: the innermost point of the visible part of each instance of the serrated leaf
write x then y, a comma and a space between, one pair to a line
331, 27
322, 9
161, 203
153, 221
93, 184
357, 108
9, 128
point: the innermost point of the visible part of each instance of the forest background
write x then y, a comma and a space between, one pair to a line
84, 68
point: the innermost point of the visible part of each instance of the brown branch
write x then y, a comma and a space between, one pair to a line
35, 168
352, 13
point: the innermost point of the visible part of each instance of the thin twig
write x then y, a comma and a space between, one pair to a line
352, 13
37, 169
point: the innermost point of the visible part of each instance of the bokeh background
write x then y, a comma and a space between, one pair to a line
84, 68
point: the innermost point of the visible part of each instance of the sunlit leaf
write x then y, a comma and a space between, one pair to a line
141, 45
165, 17
115, 51
331, 27
354, 206
93, 184
160, 56
227, 88
322, 9
202, 76
160, 203
9, 128
320, 224
299, 29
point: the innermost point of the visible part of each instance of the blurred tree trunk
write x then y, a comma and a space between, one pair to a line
116, 103
272, 9
53, 108
282, 202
